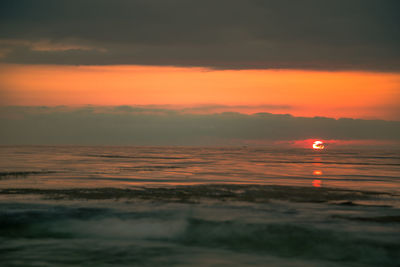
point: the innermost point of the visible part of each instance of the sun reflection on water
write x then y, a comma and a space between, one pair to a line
317, 172
317, 183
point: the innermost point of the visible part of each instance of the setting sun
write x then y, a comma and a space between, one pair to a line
318, 145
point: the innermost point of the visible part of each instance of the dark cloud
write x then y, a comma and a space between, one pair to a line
224, 108
126, 125
311, 34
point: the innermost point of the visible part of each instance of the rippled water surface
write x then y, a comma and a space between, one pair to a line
146, 166
179, 206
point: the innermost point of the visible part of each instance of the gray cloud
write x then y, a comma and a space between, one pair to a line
126, 125
233, 34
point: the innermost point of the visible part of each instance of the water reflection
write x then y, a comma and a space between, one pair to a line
317, 172
317, 160
317, 183
88, 167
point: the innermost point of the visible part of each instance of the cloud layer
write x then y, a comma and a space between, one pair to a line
227, 34
126, 125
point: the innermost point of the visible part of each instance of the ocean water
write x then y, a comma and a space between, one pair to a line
198, 206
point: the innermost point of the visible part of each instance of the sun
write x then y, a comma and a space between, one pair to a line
318, 145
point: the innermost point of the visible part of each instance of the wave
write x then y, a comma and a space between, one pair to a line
126, 230
287, 240
21, 174
326, 162
196, 193
134, 157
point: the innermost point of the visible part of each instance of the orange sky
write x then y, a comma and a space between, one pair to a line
308, 93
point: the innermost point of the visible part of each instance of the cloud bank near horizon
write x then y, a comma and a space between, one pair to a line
126, 125
225, 34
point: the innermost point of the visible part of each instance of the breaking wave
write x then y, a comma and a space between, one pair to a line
165, 233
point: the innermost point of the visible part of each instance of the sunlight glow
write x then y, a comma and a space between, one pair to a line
318, 145
295, 92
316, 183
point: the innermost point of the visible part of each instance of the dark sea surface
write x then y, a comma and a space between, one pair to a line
198, 206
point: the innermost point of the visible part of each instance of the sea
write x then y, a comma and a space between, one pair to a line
198, 206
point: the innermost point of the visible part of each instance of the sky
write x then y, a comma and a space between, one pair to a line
189, 72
